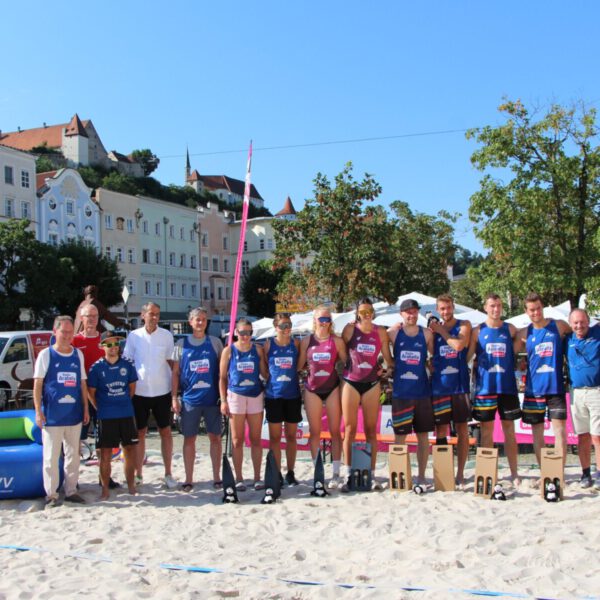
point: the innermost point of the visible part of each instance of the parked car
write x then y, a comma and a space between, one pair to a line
18, 352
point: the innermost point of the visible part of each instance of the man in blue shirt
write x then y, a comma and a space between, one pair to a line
111, 386
583, 356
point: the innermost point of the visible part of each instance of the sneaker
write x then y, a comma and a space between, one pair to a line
75, 499
376, 486
187, 487
345, 487
290, 479
51, 503
138, 480
258, 485
586, 482
112, 484
170, 482
240, 486
335, 483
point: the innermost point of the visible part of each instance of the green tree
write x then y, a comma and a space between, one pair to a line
146, 159
259, 288
331, 229
43, 165
539, 224
119, 182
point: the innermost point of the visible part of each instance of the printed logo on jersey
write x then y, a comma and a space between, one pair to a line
544, 349
245, 366
67, 378
122, 371
448, 352
410, 357
200, 366
283, 362
321, 357
497, 349
367, 349
67, 400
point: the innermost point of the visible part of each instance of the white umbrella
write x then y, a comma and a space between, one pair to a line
474, 316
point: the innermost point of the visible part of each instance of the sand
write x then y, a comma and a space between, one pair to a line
378, 542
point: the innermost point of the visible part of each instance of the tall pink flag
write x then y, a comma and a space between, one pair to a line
238, 262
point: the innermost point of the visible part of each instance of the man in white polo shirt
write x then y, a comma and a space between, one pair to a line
151, 348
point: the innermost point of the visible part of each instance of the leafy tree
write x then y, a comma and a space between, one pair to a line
119, 182
259, 288
146, 159
43, 164
330, 229
539, 224
464, 258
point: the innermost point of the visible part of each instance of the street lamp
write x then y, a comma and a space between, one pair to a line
165, 223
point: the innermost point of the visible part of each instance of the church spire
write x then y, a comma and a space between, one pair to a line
188, 167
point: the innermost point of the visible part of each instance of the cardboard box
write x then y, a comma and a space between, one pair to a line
360, 469
399, 463
552, 470
443, 468
486, 471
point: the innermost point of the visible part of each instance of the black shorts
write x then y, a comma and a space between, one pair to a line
455, 408
410, 415
323, 395
112, 432
362, 387
283, 410
485, 407
160, 407
535, 408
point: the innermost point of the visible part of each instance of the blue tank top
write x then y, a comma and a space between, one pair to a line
495, 361
61, 393
410, 372
544, 361
244, 372
584, 359
450, 371
283, 371
199, 373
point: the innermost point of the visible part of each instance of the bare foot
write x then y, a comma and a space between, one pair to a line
132, 490
516, 481
105, 495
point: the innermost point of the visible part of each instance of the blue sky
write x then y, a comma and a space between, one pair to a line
213, 75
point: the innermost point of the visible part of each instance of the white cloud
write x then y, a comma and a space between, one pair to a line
449, 371
283, 378
409, 375
201, 385
496, 369
322, 373
247, 382
365, 365
545, 369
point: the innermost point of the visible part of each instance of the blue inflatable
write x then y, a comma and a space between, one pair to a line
20, 455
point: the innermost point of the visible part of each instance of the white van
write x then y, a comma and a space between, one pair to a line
18, 351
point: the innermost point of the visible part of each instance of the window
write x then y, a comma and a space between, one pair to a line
120, 223
182, 233
193, 290
193, 261
205, 239
171, 259
108, 252
146, 256
205, 293
261, 244
108, 222
53, 239
183, 290
157, 228
227, 293
8, 175
270, 244
120, 255
158, 288
17, 351
245, 246
173, 289
225, 242
215, 263
171, 231
88, 212
131, 286
70, 208
183, 261
158, 257
131, 255
9, 207
192, 235
25, 210
71, 231
129, 225
145, 227
147, 288
245, 267
25, 179
88, 235
205, 263
219, 293
226, 265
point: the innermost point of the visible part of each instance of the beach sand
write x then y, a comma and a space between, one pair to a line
378, 542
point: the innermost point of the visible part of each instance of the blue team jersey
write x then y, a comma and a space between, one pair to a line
495, 361
199, 373
450, 371
544, 361
111, 383
583, 356
244, 372
410, 373
62, 403
283, 371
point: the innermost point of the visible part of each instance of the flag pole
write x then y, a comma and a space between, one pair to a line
238, 263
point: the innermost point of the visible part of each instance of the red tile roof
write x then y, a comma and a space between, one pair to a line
40, 178
288, 208
235, 186
122, 158
75, 127
50, 135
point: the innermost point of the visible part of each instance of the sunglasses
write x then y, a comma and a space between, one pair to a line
324, 319
245, 332
110, 344
284, 326
366, 312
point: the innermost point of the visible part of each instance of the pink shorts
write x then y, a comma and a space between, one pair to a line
244, 405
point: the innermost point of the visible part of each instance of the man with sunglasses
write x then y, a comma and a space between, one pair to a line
111, 387
583, 357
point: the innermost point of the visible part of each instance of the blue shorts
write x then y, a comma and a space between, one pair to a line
191, 415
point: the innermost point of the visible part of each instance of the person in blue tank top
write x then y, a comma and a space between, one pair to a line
492, 345
544, 386
583, 357
111, 386
60, 397
196, 361
411, 392
450, 380
283, 403
242, 366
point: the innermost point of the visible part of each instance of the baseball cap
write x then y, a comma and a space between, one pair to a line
408, 304
109, 335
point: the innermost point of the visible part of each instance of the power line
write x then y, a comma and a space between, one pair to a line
327, 143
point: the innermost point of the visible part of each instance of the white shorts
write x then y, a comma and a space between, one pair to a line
585, 410
245, 405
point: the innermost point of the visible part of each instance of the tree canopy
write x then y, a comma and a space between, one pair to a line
259, 288
146, 159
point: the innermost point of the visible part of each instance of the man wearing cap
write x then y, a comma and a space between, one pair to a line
111, 386
583, 356
450, 380
196, 373
411, 395
496, 385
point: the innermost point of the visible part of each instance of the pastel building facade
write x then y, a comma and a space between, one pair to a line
17, 186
